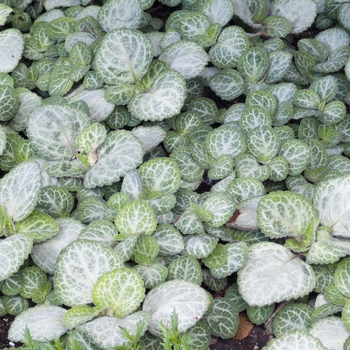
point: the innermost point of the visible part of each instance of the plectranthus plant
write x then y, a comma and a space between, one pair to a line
156, 155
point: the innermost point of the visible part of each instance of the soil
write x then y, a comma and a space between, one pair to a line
5, 323
256, 339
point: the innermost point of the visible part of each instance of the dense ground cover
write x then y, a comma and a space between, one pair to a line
167, 168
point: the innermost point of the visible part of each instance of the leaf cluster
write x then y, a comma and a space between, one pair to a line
145, 161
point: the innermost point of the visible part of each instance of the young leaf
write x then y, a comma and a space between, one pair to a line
333, 112
262, 99
121, 290
77, 270
15, 304
333, 38
4, 12
9, 102
279, 169
98, 108
188, 300
233, 294
325, 87
244, 188
213, 283
91, 138
248, 166
341, 277
272, 274
253, 117
346, 314
200, 336
28, 102
146, 250
190, 171
3, 139
221, 168
125, 248
32, 279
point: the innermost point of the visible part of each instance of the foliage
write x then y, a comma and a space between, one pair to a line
145, 161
